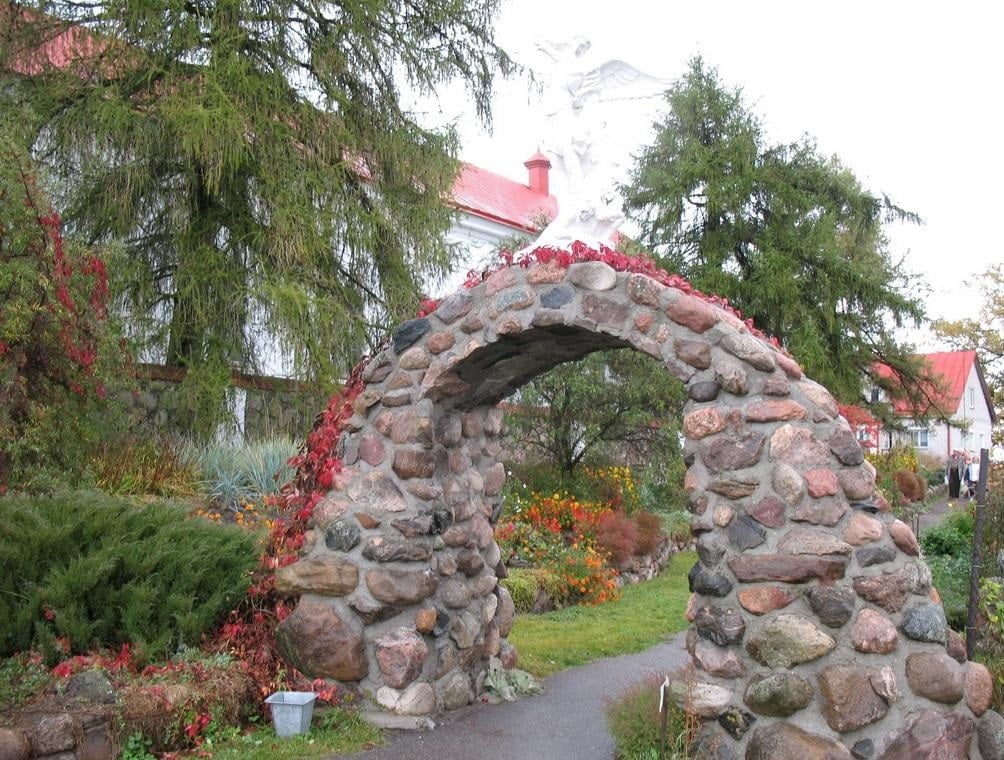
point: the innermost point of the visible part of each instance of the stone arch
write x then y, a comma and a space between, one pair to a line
815, 629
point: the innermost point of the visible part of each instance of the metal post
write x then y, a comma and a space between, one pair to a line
976, 568
663, 718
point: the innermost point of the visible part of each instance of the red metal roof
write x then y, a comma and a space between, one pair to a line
953, 368
492, 196
62, 45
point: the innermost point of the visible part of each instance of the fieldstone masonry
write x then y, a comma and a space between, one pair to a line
815, 630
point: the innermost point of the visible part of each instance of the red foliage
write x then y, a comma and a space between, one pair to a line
617, 260
54, 310
650, 533
194, 729
249, 632
122, 660
617, 537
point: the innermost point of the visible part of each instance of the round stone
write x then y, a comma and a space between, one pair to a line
925, 622
990, 736
778, 695
862, 529
874, 633
719, 661
592, 275
833, 605
979, 687
848, 702
321, 643
722, 626
400, 654
935, 676
788, 640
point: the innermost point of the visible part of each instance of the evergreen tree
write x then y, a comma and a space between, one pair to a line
255, 159
788, 236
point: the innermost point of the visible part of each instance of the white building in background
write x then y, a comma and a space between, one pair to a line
492, 208
963, 398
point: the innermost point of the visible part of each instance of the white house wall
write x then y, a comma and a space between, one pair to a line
478, 239
942, 440
976, 415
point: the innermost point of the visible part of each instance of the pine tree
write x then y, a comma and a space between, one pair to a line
790, 237
256, 161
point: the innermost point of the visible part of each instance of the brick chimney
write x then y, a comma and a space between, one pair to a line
538, 165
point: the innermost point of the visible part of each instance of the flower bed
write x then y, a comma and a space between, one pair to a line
568, 550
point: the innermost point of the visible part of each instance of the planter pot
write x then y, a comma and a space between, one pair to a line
291, 711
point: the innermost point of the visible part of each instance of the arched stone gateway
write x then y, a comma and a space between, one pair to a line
815, 631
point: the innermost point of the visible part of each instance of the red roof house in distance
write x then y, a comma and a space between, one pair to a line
492, 208
962, 396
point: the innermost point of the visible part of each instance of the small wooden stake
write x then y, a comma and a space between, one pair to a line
976, 568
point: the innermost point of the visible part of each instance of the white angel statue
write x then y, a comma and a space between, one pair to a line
590, 210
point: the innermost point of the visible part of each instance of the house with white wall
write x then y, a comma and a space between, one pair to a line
962, 398
491, 208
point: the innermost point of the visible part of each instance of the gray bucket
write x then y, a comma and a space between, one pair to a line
291, 711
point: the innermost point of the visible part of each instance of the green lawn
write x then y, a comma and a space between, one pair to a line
333, 731
645, 614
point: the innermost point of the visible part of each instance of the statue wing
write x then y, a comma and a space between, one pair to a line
618, 80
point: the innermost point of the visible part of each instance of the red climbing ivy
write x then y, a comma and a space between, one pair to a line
53, 326
250, 630
617, 260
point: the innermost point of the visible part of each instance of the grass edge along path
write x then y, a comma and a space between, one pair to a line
333, 730
645, 614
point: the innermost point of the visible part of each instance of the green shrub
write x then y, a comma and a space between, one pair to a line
676, 525
952, 537
523, 587
20, 679
633, 722
660, 487
98, 571
951, 578
935, 477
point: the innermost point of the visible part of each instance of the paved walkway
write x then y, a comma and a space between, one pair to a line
565, 722
939, 509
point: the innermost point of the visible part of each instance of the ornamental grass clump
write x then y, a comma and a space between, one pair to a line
85, 571
233, 473
634, 722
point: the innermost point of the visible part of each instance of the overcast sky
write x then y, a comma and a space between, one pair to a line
906, 94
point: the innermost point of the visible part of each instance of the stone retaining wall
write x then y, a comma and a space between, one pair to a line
268, 405
815, 630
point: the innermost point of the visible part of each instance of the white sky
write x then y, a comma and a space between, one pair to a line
906, 94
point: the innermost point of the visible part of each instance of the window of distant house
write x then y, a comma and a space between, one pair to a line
918, 438
863, 434
875, 395
972, 398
